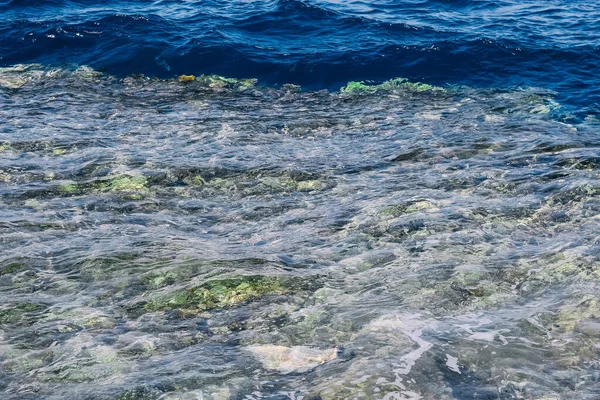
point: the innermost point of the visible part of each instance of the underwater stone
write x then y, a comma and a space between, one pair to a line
589, 328
27, 362
127, 183
86, 72
573, 314
218, 293
290, 87
186, 78
291, 359
245, 84
353, 87
391, 85
11, 83
309, 186
68, 188
16, 313
98, 322
216, 81
129, 187
397, 210
198, 181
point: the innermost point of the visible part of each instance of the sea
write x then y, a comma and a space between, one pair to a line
299, 199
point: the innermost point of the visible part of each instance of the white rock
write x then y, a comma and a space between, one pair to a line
291, 359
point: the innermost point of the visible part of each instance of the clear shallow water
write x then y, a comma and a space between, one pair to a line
233, 239
403, 244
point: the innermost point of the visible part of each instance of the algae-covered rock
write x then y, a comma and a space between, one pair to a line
220, 82
130, 187
12, 268
127, 186
249, 184
17, 312
571, 315
155, 281
291, 359
290, 87
186, 78
310, 185
197, 180
409, 207
67, 189
98, 322
218, 293
245, 84
11, 83
26, 361
216, 81
391, 85
127, 183
86, 72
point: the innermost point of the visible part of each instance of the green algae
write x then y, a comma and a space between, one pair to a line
218, 294
197, 181
570, 315
127, 183
98, 322
11, 268
156, 281
19, 362
388, 86
186, 78
223, 184
18, 312
67, 189
353, 87
397, 210
245, 84
126, 186
140, 394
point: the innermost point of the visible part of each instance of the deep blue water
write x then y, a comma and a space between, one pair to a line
319, 44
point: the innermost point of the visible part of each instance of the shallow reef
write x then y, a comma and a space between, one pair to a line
210, 237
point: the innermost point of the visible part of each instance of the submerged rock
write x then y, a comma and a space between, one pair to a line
218, 293
589, 328
18, 312
186, 78
291, 359
129, 187
391, 85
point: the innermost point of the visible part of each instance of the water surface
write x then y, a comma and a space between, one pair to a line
243, 237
